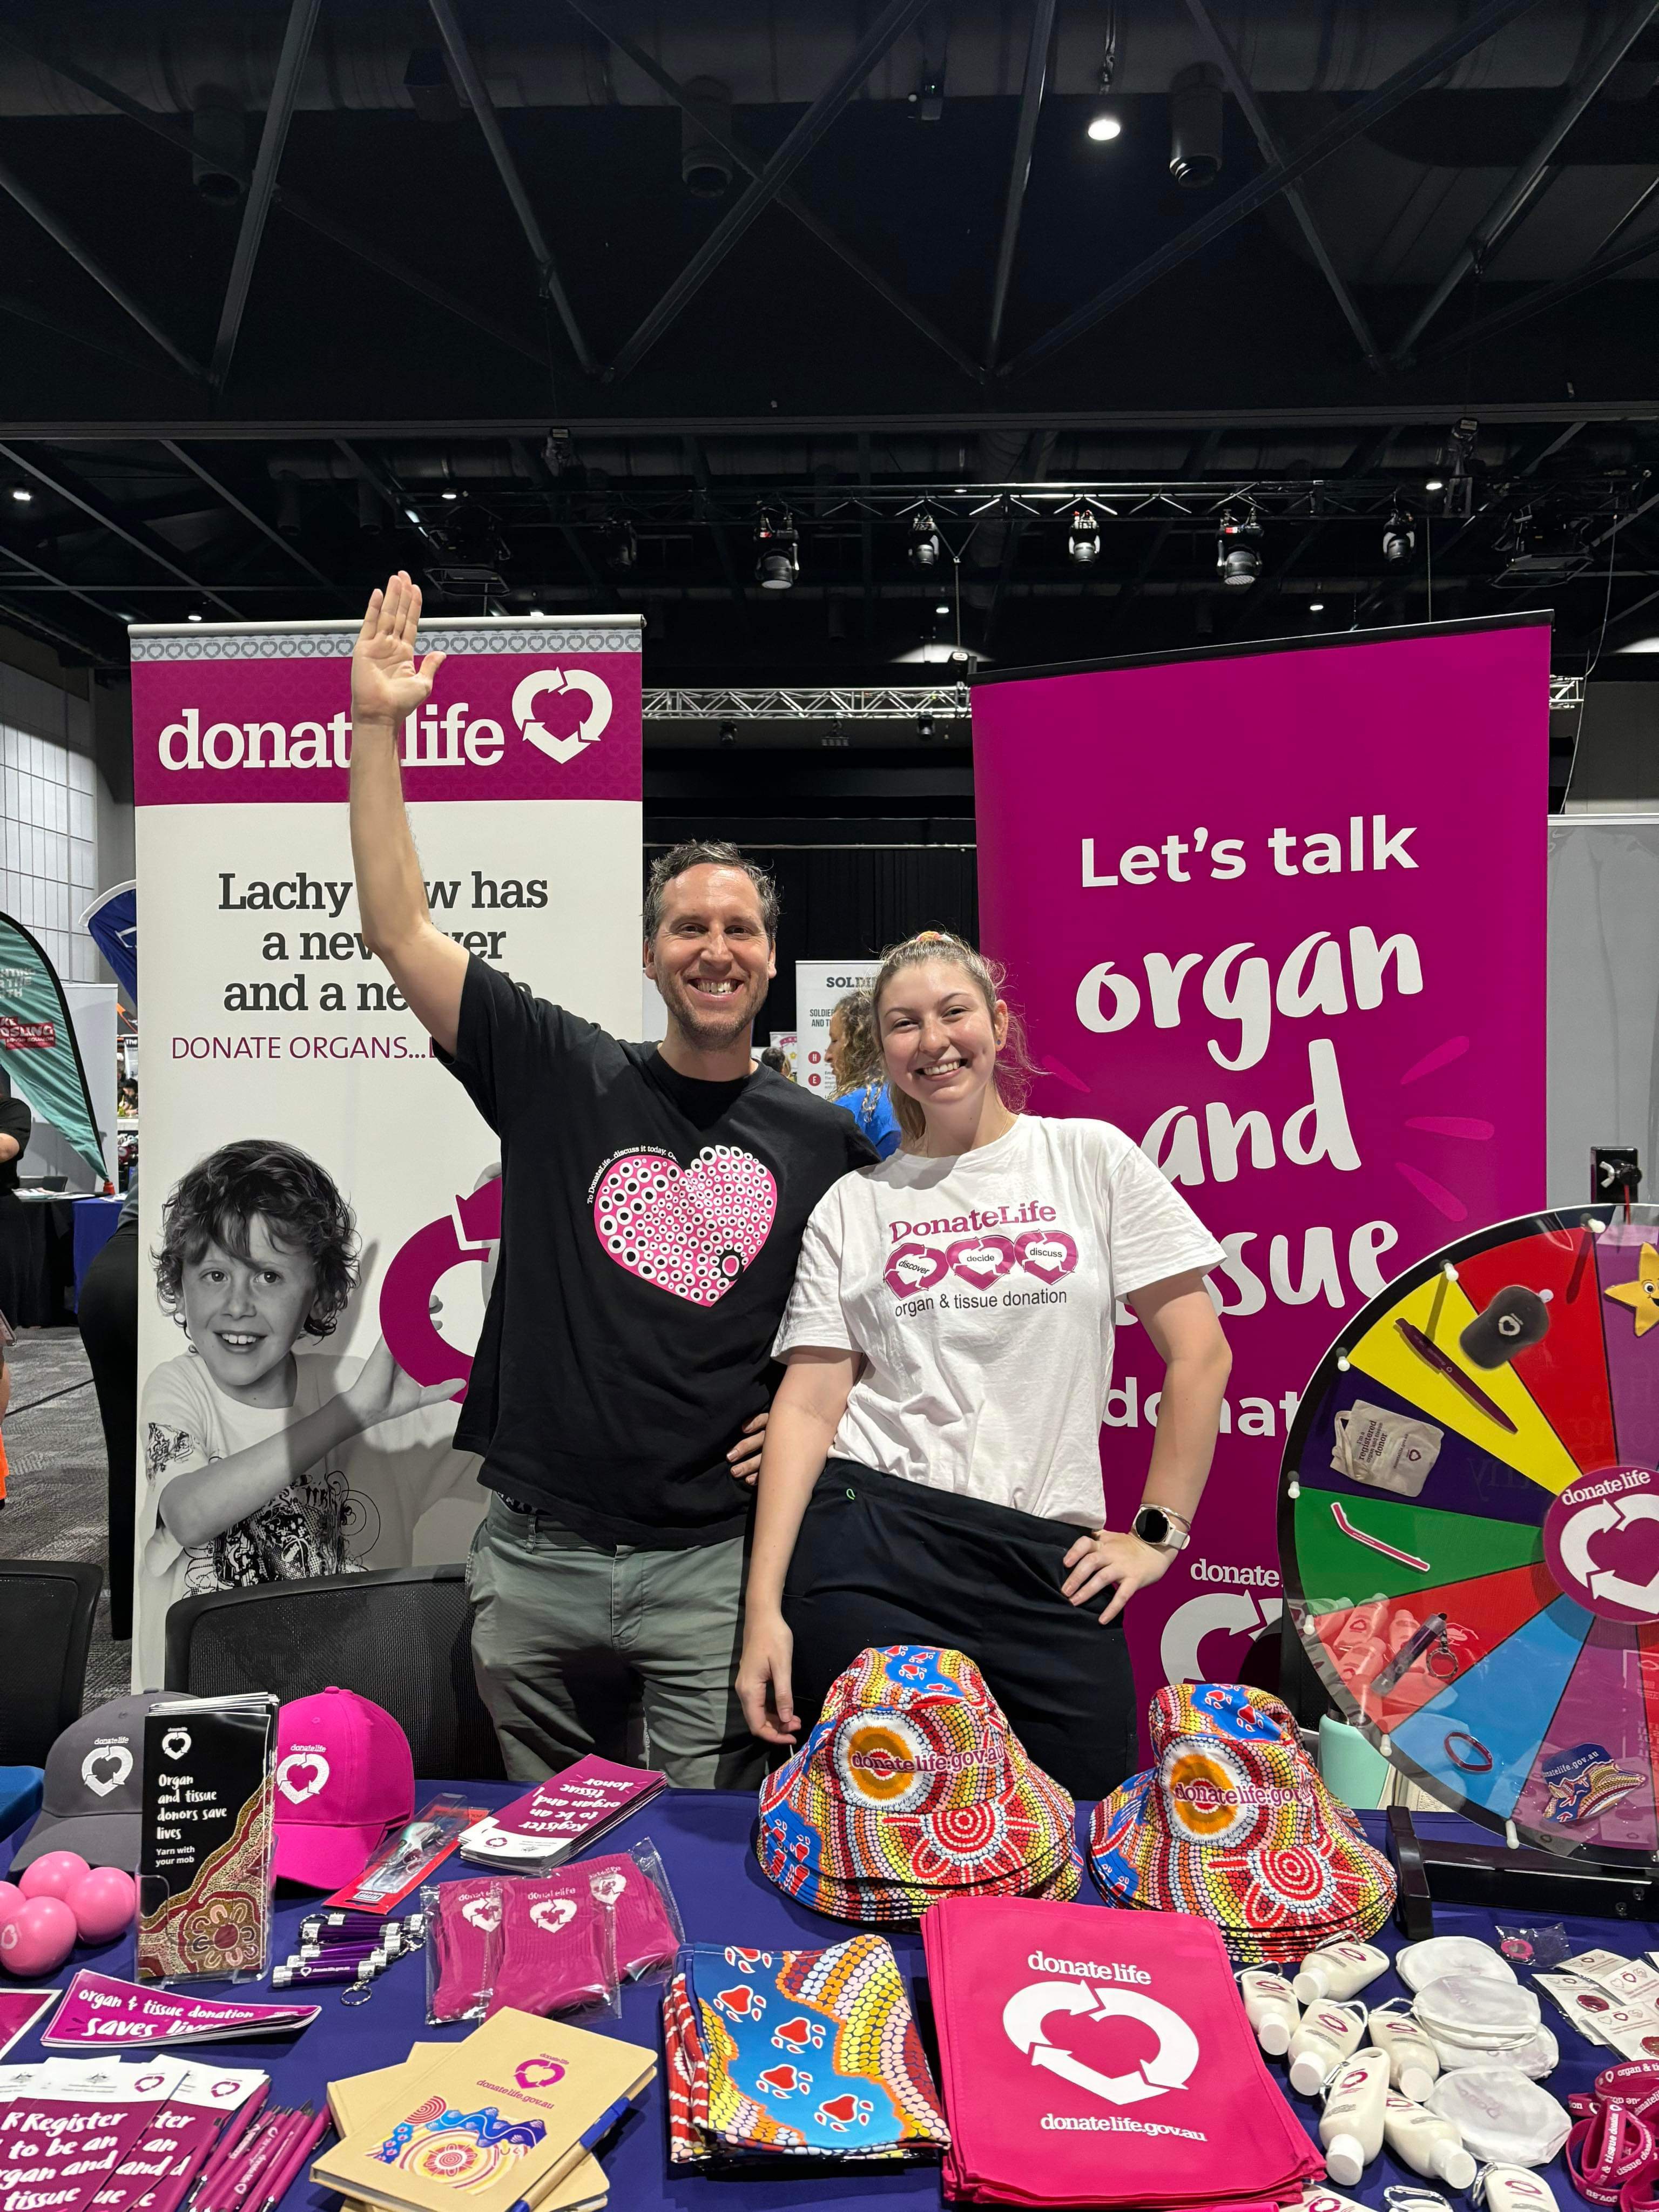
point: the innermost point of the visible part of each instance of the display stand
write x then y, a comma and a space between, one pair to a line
1533, 1885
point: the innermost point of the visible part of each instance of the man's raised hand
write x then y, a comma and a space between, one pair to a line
386, 686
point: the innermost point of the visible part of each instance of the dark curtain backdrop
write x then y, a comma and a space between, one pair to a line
850, 902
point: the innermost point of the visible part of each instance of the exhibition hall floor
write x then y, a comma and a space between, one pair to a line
56, 1505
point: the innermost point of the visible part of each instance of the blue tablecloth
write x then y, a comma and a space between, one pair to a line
94, 1224
704, 1840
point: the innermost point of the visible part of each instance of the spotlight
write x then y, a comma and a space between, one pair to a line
777, 559
192, 615
1104, 127
1237, 549
1399, 537
1315, 606
925, 727
1195, 126
1434, 483
451, 493
941, 609
537, 614
728, 733
1083, 536
622, 548
924, 541
22, 493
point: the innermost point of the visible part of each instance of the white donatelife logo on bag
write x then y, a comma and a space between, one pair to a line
1170, 2067
592, 726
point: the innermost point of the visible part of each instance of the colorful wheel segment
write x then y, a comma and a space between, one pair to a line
1469, 1527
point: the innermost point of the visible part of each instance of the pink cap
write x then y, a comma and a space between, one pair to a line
343, 1777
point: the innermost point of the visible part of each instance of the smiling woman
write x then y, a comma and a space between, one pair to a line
932, 1468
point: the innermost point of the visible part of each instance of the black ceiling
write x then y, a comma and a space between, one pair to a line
410, 337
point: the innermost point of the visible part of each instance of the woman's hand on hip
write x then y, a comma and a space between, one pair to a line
1111, 1556
764, 1684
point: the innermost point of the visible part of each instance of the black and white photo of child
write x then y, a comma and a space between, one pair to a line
266, 1459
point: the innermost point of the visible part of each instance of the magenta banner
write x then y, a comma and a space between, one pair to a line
1280, 916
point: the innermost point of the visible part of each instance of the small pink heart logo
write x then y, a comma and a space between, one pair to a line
1048, 1254
549, 1914
913, 1267
608, 1888
689, 1230
981, 1260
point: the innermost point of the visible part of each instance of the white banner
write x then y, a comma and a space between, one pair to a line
820, 986
285, 1079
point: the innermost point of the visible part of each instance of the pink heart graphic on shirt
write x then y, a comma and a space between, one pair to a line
1048, 1254
691, 1231
913, 1267
981, 1260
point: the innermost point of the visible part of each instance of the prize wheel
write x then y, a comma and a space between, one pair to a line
1468, 1525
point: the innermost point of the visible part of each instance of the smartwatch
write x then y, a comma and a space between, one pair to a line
1155, 1527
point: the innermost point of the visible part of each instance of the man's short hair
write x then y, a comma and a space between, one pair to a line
706, 853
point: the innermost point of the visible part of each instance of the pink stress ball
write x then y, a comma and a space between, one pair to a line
52, 1874
103, 1902
10, 1897
39, 1938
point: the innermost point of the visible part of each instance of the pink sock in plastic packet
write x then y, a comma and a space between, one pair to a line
633, 1883
558, 1947
464, 1948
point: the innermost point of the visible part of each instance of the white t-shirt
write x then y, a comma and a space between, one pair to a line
980, 1290
354, 1508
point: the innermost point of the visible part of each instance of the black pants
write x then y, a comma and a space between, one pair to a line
879, 1560
108, 1314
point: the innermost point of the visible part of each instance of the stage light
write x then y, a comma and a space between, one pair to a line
777, 560
1434, 483
622, 548
1237, 549
1315, 606
728, 733
941, 609
22, 493
411, 514
924, 541
925, 727
192, 615
536, 614
452, 494
1400, 538
1083, 536
1195, 145
1104, 127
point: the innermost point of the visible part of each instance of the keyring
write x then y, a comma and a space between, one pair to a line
1405, 2197
358, 1994
1479, 1759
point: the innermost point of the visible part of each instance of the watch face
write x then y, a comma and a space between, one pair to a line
1151, 1526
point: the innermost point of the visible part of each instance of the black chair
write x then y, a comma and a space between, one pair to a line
401, 1636
45, 1628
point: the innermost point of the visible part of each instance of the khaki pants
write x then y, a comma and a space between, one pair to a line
552, 1615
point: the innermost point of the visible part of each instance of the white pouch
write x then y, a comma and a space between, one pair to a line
1537, 2057
1502, 2117
1389, 1450
1476, 2011
1419, 1964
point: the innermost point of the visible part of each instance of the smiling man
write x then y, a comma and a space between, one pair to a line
653, 1199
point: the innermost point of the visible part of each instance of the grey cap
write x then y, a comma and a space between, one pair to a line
95, 1787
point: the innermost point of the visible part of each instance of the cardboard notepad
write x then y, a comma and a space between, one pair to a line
361, 2101
492, 2122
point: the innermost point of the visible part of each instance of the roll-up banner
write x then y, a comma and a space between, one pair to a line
41, 1061
335, 1197
1279, 914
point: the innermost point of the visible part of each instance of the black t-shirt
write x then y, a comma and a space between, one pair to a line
15, 1120
650, 1225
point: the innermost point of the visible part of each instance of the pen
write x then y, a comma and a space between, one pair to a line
295, 2162
1431, 1355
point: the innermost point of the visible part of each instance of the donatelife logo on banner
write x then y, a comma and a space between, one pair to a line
1280, 916
266, 1016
